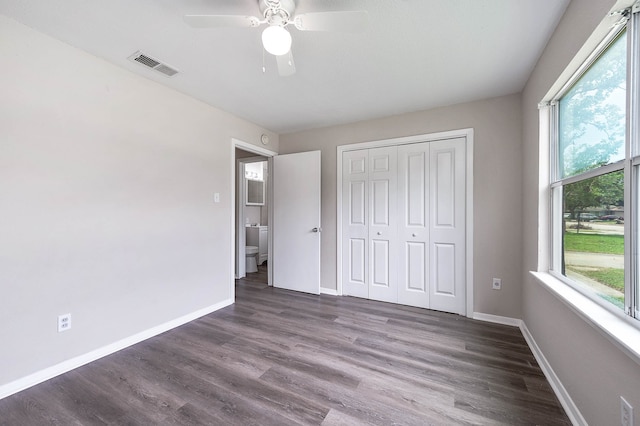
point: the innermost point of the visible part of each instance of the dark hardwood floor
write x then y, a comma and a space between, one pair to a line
278, 357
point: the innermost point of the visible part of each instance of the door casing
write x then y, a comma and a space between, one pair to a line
236, 249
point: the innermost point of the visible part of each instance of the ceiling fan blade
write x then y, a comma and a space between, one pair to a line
286, 66
344, 21
218, 21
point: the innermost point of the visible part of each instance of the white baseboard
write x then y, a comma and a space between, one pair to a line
330, 291
514, 322
70, 364
565, 399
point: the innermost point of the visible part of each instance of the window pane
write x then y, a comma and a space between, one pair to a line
593, 235
592, 114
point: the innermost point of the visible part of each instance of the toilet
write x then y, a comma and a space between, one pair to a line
251, 253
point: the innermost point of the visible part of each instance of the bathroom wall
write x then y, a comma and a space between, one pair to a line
253, 214
259, 214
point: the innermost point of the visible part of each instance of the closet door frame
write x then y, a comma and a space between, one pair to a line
467, 134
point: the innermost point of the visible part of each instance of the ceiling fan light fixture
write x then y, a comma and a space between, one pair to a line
276, 40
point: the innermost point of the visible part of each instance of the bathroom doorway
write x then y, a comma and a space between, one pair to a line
252, 213
292, 191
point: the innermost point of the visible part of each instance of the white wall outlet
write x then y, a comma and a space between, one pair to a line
626, 413
64, 322
497, 284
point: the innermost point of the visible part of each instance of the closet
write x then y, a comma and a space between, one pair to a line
403, 221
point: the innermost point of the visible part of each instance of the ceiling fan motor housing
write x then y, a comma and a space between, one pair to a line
277, 12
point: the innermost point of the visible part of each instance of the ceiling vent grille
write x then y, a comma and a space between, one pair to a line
154, 64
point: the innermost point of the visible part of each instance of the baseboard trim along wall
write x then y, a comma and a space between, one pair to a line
514, 322
48, 373
565, 399
567, 403
330, 291
70, 364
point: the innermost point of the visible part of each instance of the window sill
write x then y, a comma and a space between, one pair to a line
619, 331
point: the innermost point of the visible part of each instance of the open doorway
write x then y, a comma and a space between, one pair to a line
252, 220
252, 212
293, 190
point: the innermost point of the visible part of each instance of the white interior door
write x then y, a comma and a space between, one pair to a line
355, 223
296, 222
413, 229
447, 229
383, 226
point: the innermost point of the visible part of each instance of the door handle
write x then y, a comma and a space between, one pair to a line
379, 233
413, 235
316, 230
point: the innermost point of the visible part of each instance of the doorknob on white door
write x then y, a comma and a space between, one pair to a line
413, 235
316, 230
379, 233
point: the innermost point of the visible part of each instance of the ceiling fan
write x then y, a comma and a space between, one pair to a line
277, 15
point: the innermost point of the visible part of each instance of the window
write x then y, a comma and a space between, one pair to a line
595, 174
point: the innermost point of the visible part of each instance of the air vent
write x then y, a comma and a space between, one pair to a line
154, 64
166, 70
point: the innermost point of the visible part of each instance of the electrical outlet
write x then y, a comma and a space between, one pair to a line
626, 413
64, 322
497, 284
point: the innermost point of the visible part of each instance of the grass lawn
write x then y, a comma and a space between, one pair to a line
594, 243
610, 277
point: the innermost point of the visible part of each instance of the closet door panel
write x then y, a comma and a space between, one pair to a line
383, 243
447, 230
380, 263
357, 261
413, 231
444, 267
355, 218
415, 271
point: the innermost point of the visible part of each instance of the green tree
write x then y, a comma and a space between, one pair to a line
604, 190
592, 114
591, 129
592, 132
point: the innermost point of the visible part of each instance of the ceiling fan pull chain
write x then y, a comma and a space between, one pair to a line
264, 68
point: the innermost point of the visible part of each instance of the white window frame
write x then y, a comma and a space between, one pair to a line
630, 20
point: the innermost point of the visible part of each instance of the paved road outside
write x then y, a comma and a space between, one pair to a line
608, 228
596, 260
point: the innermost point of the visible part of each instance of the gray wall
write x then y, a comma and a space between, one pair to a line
106, 202
106, 184
594, 372
497, 183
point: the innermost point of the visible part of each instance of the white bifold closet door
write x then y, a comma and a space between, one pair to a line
403, 219
355, 223
370, 222
383, 224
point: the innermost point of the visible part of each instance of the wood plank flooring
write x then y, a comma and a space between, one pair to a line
278, 357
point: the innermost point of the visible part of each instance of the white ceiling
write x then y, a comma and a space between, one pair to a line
417, 54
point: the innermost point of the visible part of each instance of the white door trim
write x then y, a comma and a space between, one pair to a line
246, 146
430, 137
